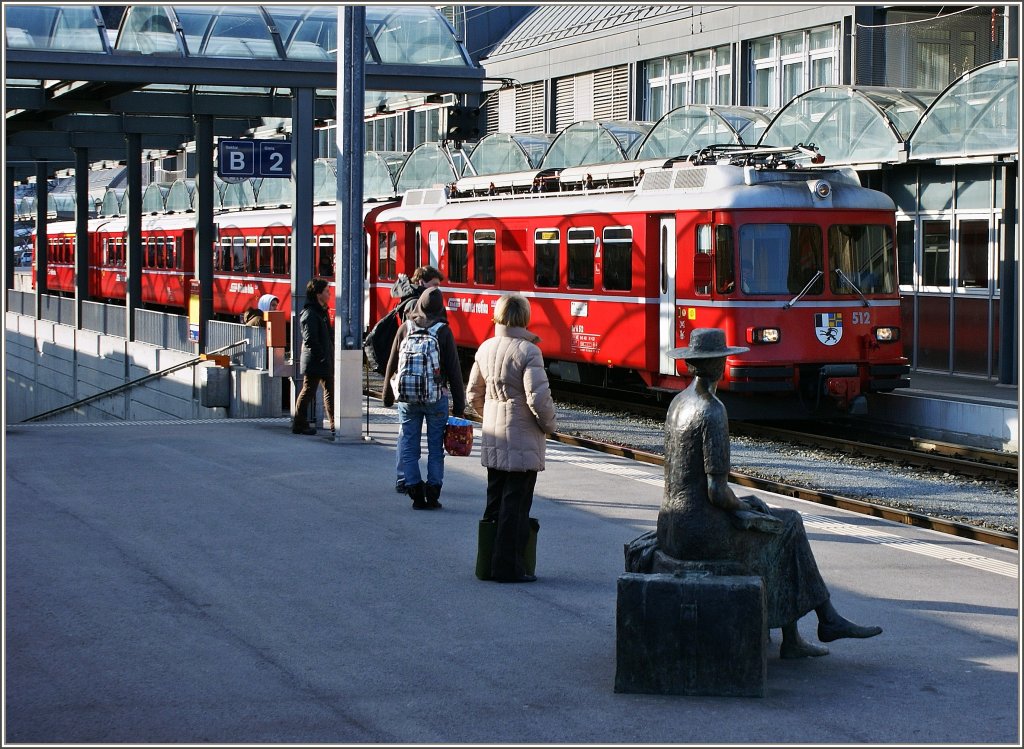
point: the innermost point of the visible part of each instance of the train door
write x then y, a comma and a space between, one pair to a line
667, 287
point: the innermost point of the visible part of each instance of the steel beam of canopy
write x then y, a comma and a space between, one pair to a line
81, 232
60, 139
348, 295
224, 71
221, 105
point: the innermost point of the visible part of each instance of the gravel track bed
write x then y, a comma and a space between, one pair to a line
988, 504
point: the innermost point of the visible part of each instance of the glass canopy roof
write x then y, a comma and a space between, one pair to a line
500, 153
70, 28
592, 142
848, 124
976, 115
692, 127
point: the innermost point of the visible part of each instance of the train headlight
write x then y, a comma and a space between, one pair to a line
764, 335
822, 189
887, 335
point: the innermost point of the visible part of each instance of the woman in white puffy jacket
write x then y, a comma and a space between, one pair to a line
509, 387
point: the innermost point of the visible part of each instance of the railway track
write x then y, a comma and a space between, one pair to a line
956, 460
917, 519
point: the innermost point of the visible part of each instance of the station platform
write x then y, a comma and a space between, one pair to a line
967, 410
229, 582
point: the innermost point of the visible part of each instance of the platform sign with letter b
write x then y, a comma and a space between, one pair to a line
240, 159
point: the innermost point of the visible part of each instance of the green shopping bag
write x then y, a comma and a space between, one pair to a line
486, 533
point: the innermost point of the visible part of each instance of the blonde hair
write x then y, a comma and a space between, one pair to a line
513, 311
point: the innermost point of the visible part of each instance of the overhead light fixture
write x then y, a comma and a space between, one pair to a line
434, 99
382, 108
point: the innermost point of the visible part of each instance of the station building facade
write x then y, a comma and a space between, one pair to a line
956, 196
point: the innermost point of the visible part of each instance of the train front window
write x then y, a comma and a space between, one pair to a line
618, 258
545, 258
581, 244
780, 259
483, 256
861, 259
458, 256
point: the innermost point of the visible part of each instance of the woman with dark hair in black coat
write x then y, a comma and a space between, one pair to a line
317, 359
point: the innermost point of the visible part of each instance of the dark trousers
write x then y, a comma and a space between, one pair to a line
509, 499
306, 395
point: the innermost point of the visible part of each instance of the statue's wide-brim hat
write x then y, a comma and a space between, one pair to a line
706, 343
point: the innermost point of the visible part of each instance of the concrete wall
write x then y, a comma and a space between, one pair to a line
48, 365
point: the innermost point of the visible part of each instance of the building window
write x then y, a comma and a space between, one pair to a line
786, 65
972, 247
935, 253
700, 77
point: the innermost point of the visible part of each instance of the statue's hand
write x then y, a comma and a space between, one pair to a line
756, 504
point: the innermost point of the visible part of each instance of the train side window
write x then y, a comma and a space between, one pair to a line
221, 253
161, 252
279, 256
618, 258
325, 264
265, 255
545, 258
703, 247
237, 254
251, 255
174, 247
458, 256
150, 253
581, 244
484, 241
725, 262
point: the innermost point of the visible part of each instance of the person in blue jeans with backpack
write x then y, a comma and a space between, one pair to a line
423, 375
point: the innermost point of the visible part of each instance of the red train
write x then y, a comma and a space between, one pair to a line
797, 264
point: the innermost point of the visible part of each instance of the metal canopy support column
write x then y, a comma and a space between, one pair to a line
42, 236
9, 258
302, 211
204, 222
81, 231
133, 296
348, 318
1008, 321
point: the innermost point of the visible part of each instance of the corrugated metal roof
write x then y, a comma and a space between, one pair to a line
554, 23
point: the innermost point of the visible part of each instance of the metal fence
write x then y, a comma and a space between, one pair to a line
253, 355
163, 330
155, 328
108, 319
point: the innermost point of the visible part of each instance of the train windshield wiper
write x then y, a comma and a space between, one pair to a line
800, 296
852, 285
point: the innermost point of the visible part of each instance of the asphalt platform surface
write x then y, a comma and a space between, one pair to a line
229, 582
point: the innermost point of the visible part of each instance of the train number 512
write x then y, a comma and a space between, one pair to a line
861, 318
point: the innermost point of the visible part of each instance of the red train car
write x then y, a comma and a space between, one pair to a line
797, 264
251, 257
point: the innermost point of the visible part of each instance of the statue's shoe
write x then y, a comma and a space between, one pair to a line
802, 649
827, 632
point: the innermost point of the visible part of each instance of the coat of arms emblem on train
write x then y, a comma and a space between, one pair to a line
828, 326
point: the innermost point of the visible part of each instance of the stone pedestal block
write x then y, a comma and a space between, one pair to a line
691, 634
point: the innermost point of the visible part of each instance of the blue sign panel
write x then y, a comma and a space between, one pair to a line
238, 159
275, 158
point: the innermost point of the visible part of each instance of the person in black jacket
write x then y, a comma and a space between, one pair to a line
317, 359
